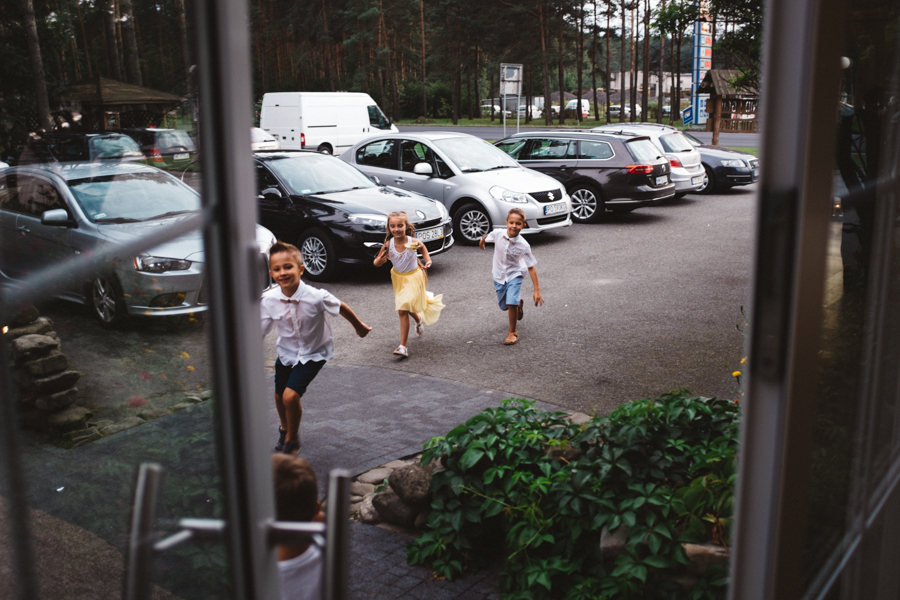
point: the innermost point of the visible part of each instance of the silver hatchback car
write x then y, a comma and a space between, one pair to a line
477, 182
687, 169
51, 215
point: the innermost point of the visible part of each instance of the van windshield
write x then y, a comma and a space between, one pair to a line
377, 118
317, 174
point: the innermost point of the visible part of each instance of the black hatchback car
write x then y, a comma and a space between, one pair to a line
601, 171
334, 213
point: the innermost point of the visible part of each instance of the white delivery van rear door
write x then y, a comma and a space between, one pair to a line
280, 116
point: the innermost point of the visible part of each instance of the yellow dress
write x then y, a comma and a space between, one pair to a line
409, 287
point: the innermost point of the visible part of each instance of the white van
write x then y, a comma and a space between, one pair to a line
585, 106
325, 121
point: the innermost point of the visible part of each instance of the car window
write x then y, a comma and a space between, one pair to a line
443, 169
258, 135
68, 150
9, 194
675, 142
113, 146
513, 147
413, 153
37, 195
377, 118
264, 179
133, 196
643, 150
174, 139
595, 150
694, 141
550, 149
317, 174
377, 154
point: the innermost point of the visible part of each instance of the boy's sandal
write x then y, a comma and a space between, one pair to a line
521, 310
401, 351
511, 339
279, 445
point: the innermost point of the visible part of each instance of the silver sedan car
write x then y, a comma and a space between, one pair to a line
477, 183
58, 214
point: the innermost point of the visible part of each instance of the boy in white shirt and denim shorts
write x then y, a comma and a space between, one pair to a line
512, 259
298, 313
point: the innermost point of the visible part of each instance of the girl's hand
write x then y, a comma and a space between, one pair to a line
427, 264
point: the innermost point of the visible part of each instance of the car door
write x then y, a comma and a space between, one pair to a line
376, 159
9, 213
40, 246
413, 153
597, 161
272, 204
552, 156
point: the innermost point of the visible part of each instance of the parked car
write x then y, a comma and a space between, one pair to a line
326, 121
52, 214
335, 214
80, 147
477, 182
164, 148
585, 106
486, 111
687, 171
3, 165
535, 113
724, 167
600, 172
615, 109
260, 139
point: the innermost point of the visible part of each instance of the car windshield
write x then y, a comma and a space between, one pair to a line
643, 150
129, 197
258, 136
512, 147
114, 146
472, 155
317, 174
175, 139
675, 142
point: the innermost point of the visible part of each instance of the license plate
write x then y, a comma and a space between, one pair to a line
552, 209
183, 156
662, 180
430, 234
696, 180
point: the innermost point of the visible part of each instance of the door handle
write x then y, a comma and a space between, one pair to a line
563, 167
23, 229
400, 180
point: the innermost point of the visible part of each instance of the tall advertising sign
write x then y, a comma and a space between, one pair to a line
702, 62
510, 85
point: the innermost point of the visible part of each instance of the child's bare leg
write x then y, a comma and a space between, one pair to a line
404, 327
362, 330
279, 407
293, 412
511, 337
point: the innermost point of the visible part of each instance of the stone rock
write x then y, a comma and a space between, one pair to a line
87, 440
367, 512
613, 544
33, 346
422, 518
393, 510
375, 476
206, 395
685, 580
180, 406
71, 418
122, 425
80, 433
579, 418
358, 488
52, 363
58, 401
192, 399
703, 556
148, 414
101, 423
434, 465
354, 506
411, 484
26, 316
396, 464
56, 382
568, 454
40, 326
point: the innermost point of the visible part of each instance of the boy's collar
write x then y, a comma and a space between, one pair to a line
300, 288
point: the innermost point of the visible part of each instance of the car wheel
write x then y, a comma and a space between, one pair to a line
472, 222
324, 149
709, 181
319, 256
106, 302
587, 204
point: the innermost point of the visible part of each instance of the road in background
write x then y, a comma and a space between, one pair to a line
747, 140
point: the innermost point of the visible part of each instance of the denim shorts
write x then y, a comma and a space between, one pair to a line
509, 293
297, 377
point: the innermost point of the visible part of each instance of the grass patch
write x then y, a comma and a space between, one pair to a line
747, 149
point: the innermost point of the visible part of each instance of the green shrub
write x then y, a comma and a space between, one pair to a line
528, 485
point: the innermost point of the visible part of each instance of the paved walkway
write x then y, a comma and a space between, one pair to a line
354, 418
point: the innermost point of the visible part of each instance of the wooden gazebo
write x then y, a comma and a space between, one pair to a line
730, 108
130, 104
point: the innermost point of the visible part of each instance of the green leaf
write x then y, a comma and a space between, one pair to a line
659, 562
640, 572
654, 543
470, 457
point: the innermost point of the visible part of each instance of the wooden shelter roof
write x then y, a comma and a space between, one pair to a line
100, 91
717, 82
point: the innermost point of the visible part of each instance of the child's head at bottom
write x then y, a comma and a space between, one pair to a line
515, 211
296, 489
291, 250
515, 221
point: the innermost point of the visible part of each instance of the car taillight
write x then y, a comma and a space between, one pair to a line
155, 155
303, 140
675, 162
640, 169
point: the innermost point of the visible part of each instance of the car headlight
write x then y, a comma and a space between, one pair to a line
508, 196
379, 222
155, 264
733, 163
442, 210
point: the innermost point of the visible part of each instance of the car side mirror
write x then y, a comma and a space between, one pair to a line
375, 179
423, 168
58, 217
274, 195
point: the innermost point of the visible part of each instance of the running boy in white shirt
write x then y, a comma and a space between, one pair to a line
512, 258
304, 341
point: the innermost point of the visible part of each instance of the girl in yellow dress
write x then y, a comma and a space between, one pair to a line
409, 278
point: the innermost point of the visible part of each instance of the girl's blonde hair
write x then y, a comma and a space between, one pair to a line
399, 214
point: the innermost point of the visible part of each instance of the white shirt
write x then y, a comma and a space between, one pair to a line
301, 576
404, 261
303, 330
512, 256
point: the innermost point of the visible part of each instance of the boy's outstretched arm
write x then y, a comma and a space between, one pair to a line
362, 330
538, 299
481, 241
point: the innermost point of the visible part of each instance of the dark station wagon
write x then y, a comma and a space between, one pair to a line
601, 172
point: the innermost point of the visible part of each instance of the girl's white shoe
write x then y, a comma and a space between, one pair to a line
402, 351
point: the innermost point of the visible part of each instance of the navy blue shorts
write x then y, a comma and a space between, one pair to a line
297, 377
